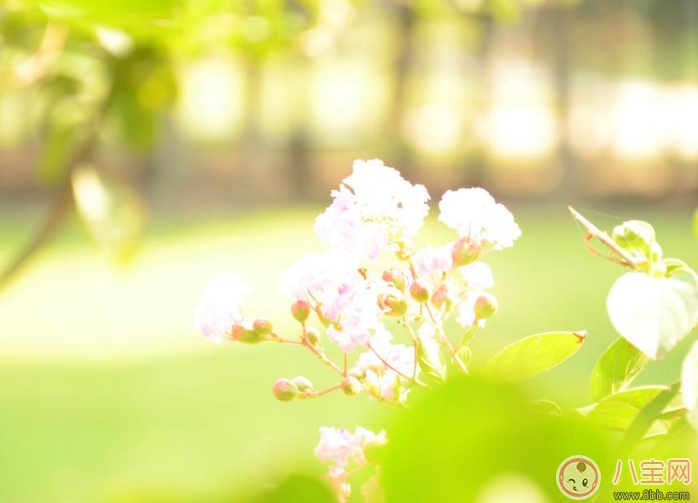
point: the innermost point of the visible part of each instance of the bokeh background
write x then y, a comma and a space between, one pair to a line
146, 146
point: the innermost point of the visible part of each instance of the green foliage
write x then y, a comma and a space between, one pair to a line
472, 433
616, 369
112, 212
689, 384
429, 359
534, 354
617, 411
653, 308
655, 314
295, 489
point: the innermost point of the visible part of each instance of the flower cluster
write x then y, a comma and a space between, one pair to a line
341, 448
348, 298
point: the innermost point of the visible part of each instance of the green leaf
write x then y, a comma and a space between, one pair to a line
429, 359
655, 314
112, 212
689, 385
472, 435
618, 411
534, 354
616, 369
294, 488
547, 407
641, 425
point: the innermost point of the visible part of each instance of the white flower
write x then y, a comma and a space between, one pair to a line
318, 275
340, 446
477, 277
219, 309
332, 281
337, 446
475, 215
381, 378
355, 313
433, 261
374, 209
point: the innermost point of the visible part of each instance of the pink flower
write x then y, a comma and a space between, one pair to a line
433, 260
477, 277
380, 378
355, 314
319, 275
374, 209
333, 283
474, 214
219, 309
337, 446
340, 446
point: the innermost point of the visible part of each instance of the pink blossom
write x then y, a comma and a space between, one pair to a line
340, 446
477, 277
355, 314
381, 378
319, 275
374, 209
433, 260
219, 309
474, 214
337, 446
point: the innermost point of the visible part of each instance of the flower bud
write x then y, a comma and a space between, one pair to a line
464, 252
285, 390
313, 336
419, 292
246, 336
351, 386
405, 252
303, 385
262, 327
398, 307
485, 306
300, 310
442, 298
465, 355
396, 277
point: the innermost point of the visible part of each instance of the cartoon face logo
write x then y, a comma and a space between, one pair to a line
578, 477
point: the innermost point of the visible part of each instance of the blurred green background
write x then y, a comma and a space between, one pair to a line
145, 147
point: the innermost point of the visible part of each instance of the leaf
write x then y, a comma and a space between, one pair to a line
471, 434
547, 407
534, 354
655, 314
429, 359
689, 385
641, 425
616, 369
113, 213
617, 412
294, 488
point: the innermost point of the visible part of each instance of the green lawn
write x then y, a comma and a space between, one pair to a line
106, 390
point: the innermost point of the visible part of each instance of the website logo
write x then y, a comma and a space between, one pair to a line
578, 477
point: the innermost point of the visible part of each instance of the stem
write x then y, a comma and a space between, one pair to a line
446, 342
281, 340
415, 343
320, 354
593, 232
404, 376
467, 336
318, 394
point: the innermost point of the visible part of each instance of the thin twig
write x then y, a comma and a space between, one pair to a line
592, 232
